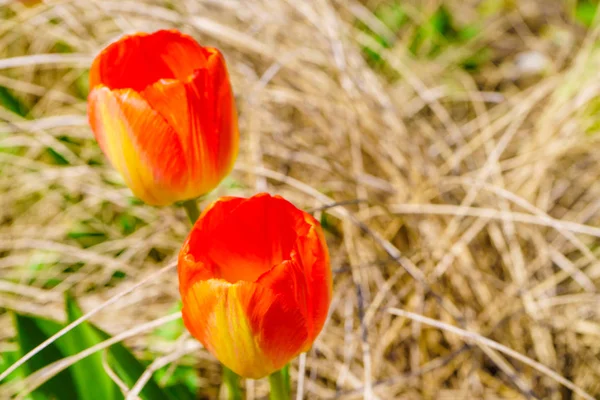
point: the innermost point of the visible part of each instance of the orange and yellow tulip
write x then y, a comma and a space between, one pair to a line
162, 110
255, 281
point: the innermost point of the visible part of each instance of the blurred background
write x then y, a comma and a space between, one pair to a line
450, 148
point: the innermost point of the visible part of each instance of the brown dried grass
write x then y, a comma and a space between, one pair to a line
468, 265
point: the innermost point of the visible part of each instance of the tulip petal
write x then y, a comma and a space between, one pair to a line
313, 256
306, 278
279, 325
248, 328
254, 237
288, 281
138, 60
202, 112
191, 268
255, 282
173, 101
152, 165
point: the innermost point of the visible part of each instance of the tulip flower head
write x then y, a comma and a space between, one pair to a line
255, 281
162, 110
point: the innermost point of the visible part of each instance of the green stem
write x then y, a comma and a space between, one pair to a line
192, 210
280, 384
231, 381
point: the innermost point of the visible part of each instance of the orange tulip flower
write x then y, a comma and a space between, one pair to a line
162, 110
255, 281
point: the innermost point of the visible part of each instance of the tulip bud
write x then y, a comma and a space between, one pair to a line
162, 110
256, 284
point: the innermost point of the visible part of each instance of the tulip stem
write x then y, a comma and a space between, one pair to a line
231, 381
192, 210
280, 384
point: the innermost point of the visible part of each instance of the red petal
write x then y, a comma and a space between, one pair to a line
192, 268
279, 324
202, 112
288, 281
138, 60
312, 254
259, 234
305, 280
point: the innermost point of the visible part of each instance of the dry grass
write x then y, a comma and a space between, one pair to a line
477, 194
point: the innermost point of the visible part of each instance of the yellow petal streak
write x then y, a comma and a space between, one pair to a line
215, 312
113, 132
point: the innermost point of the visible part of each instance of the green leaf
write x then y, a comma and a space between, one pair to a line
285, 372
180, 392
585, 11
85, 235
56, 157
441, 22
122, 361
7, 359
31, 331
11, 102
173, 329
89, 369
86, 379
129, 369
128, 223
79, 235
468, 32
183, 376
62, 47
